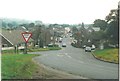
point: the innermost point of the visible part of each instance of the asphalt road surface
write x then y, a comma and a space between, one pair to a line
77, 61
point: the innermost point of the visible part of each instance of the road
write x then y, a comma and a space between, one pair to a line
76, 61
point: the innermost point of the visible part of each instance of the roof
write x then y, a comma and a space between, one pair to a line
94, 28
13, 36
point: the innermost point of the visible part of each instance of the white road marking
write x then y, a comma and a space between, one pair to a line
99, 66
66, 53
45, 55
69, 56
60, 55
81, 61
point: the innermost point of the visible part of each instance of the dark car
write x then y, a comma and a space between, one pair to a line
60, 41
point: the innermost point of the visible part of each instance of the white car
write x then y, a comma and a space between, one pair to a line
63, 45
87, 49
93, 47
84, 46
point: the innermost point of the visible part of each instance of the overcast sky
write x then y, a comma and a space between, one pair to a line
57, 11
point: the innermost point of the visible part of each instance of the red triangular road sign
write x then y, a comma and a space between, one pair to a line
26, 36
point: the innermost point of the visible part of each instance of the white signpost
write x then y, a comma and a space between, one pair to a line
26, 36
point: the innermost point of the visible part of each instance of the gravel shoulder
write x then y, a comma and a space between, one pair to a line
44, 72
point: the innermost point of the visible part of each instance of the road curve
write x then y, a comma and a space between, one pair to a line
76, 61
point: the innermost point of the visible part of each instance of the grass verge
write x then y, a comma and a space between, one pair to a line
110, 55
43, 49
17, 66
12, 51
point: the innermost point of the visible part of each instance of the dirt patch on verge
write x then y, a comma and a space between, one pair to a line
43, 72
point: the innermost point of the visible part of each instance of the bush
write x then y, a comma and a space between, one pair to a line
106, 45
73, 44
53, 45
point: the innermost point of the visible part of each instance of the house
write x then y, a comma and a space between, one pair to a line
96, 28
11, 38
92, 29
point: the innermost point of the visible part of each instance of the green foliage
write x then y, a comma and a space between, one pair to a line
96, 37
113, 32
31, 25
75, 45
100, 23
43, 49
37, 49
74, 30
65, 25
54, 48
4, 24
36, 34
113, 15
8, 51
17, 66
82, 25
53, 45
12, 51
110, 29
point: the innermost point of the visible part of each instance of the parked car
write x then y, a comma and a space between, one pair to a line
60, 41
63, 45
87, 49
53, 45
84, 46
50, 45
93, 47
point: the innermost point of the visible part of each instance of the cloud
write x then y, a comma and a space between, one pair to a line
60, 11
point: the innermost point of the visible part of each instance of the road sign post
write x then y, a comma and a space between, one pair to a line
25, 51
26, 36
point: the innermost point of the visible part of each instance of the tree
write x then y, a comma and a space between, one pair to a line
10, 25
25, 25
113, 32
41, 36
100, 23
74, 30
36, 35
4, 24
113, 15
113, 27
97, 37
31, 25
82, 24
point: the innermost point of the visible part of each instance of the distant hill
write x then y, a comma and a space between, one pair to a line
11, 22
